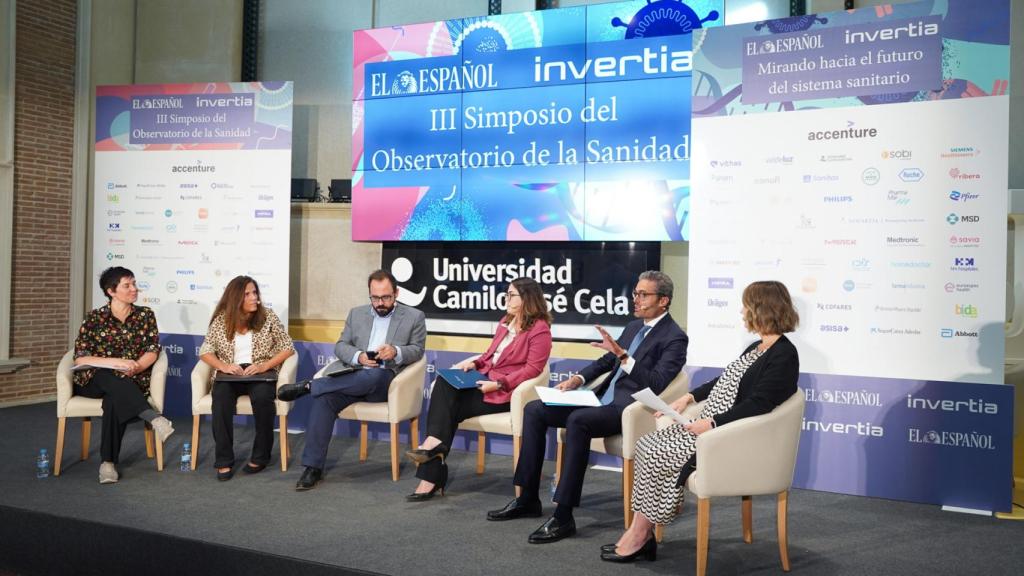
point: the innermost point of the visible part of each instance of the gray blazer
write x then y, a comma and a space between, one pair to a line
407, 332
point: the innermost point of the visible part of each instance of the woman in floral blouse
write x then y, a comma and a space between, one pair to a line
244, 339
120, 342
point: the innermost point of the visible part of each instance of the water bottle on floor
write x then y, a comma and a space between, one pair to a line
186, 457
42, 464
554, 484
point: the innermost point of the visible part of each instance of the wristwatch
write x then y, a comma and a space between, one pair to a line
624, 356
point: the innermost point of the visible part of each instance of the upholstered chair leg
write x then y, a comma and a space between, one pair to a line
558, 461
86, 432
283, 440
61, 423
394, 451
481, 446
517, 444
783, 537
748, 519
659, 532
414, 433
627, 491
159, 454
703, 529
150, 451
195, 441
363, 432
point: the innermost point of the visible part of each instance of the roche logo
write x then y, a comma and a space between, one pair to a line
911, 174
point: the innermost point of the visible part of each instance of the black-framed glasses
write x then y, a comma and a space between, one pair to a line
512, 294
382, 299
642, 295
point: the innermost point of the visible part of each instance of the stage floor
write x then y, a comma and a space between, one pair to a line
358, 520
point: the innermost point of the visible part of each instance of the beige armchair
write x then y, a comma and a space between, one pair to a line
509, 423
405, 400
637, 420
71, 406
747, 457
202, 403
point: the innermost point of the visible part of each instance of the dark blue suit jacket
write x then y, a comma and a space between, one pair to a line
658, 360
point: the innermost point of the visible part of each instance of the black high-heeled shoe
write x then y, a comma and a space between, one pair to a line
649, 552
420, 455
438, 486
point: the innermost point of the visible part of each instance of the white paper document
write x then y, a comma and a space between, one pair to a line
553, 397
650, 399
80, 367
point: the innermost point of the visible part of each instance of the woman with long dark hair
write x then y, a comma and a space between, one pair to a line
244, 339
518, 352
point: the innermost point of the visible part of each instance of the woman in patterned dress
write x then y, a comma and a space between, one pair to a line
244, 339
116, 347
764, 376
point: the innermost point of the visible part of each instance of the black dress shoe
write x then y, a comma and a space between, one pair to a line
225, 476
649, 551
424, 496
310, 478
289, 392
608, 547
421, 456
514, 510
250, 469
553, 531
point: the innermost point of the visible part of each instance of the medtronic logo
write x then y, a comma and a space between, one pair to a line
902, 241
975, 406
720, 283
911, 174
957, 196
858, 429
953, 439
847, 397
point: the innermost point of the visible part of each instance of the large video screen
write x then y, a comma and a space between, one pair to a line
561, 125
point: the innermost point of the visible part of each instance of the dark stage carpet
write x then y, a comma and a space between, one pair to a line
357, 521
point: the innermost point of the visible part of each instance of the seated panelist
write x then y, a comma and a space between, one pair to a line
120, 341
244, 339
518, 352
764, 376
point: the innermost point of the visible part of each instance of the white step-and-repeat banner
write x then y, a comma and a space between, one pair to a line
860, 157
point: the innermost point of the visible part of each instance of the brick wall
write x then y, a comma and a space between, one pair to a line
44, 114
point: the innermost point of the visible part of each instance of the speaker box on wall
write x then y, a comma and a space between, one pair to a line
341, 190
304, 189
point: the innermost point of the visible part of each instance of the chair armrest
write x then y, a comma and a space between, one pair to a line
405, 395
755, 455
638, 419
202, 375
690, 412
158, 382
523, 394
65, 383
286, 375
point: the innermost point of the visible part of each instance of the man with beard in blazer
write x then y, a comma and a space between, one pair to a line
649, 354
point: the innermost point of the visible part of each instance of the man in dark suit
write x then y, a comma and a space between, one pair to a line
649, 354
379, 339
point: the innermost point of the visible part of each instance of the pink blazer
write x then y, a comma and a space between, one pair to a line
524, 358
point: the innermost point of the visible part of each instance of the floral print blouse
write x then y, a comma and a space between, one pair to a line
103, 335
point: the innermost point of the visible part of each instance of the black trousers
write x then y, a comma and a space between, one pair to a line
123, 401
581, 425
448, 407
225, 398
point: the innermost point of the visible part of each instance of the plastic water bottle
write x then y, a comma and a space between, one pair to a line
554, 484
186, 457
42, 464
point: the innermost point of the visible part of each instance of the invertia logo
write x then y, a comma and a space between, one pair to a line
974, 405
911, 30
956, 174
857, 429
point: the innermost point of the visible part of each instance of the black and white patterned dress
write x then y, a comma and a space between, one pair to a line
660, 455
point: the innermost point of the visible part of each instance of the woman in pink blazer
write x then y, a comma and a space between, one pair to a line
519, 351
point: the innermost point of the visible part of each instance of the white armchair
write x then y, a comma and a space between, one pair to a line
71, 406
747, 457
405, 401
202, 403
637, 420
509, 423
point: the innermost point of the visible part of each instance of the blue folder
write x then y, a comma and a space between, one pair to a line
459, 379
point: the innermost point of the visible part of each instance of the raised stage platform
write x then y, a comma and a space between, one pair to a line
358, 522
